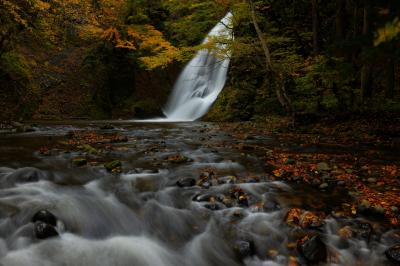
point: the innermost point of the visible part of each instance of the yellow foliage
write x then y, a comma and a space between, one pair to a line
112, 35
91, 32
387, 33
13, 10
124, 44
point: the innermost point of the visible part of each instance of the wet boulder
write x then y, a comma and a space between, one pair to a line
304, 219
243, 201
186, 182
206, 185
243, 248
113, 165
362, 230
393, 254
25, 175
46, 217
370, 210
43, 230
107, 127
78, 162
313, 249
214, 206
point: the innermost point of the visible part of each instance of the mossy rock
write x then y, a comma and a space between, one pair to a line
110, 166
89, 149
78, 162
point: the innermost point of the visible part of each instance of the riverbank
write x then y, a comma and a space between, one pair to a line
360, 155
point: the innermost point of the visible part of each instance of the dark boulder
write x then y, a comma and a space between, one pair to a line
46, 217
186, 182
363, 230
214, 206
313, 250
393, 254
243, 248
107, 126
206, 185
78, 162
26, 175
43, 230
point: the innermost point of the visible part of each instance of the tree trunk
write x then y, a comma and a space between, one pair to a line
340, 19
315, 25
366, 78
264, 45
278, 78
390, 86
355, 21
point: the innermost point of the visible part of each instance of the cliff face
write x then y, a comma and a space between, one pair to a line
62, 84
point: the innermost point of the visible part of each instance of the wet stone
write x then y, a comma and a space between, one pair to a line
243, 201
78, 162
393, 254
243, 248
27, 175
363, 230
43, 230
376, 211
186, 182
201, 198
206, 185
107, 126
214, 206
316, 182
45, 216
313, 250
324, 186
110, 166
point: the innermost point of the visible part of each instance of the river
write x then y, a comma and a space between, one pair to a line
185, 195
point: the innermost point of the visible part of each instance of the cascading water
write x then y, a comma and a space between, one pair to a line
165, 208
203, 78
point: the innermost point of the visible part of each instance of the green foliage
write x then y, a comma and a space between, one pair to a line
191, 20
326, 84
15, 65
140, 36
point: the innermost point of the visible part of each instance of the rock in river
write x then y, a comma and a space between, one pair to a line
110, 166
186, 182
44, 230
46, 217
78, 162
243, 248
313, 250
393, 254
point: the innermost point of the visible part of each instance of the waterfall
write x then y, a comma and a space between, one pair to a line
201, 81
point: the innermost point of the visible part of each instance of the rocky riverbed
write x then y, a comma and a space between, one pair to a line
125, 193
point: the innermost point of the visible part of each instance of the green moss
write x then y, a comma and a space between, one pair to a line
110, 166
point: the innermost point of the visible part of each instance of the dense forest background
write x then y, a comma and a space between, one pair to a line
120, 58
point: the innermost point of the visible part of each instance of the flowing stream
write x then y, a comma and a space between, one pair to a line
141, 216
201, 81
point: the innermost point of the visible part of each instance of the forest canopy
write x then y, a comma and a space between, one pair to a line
97, 57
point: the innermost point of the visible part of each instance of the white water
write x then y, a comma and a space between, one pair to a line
200, 83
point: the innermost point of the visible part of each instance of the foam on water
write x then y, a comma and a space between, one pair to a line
201, 81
